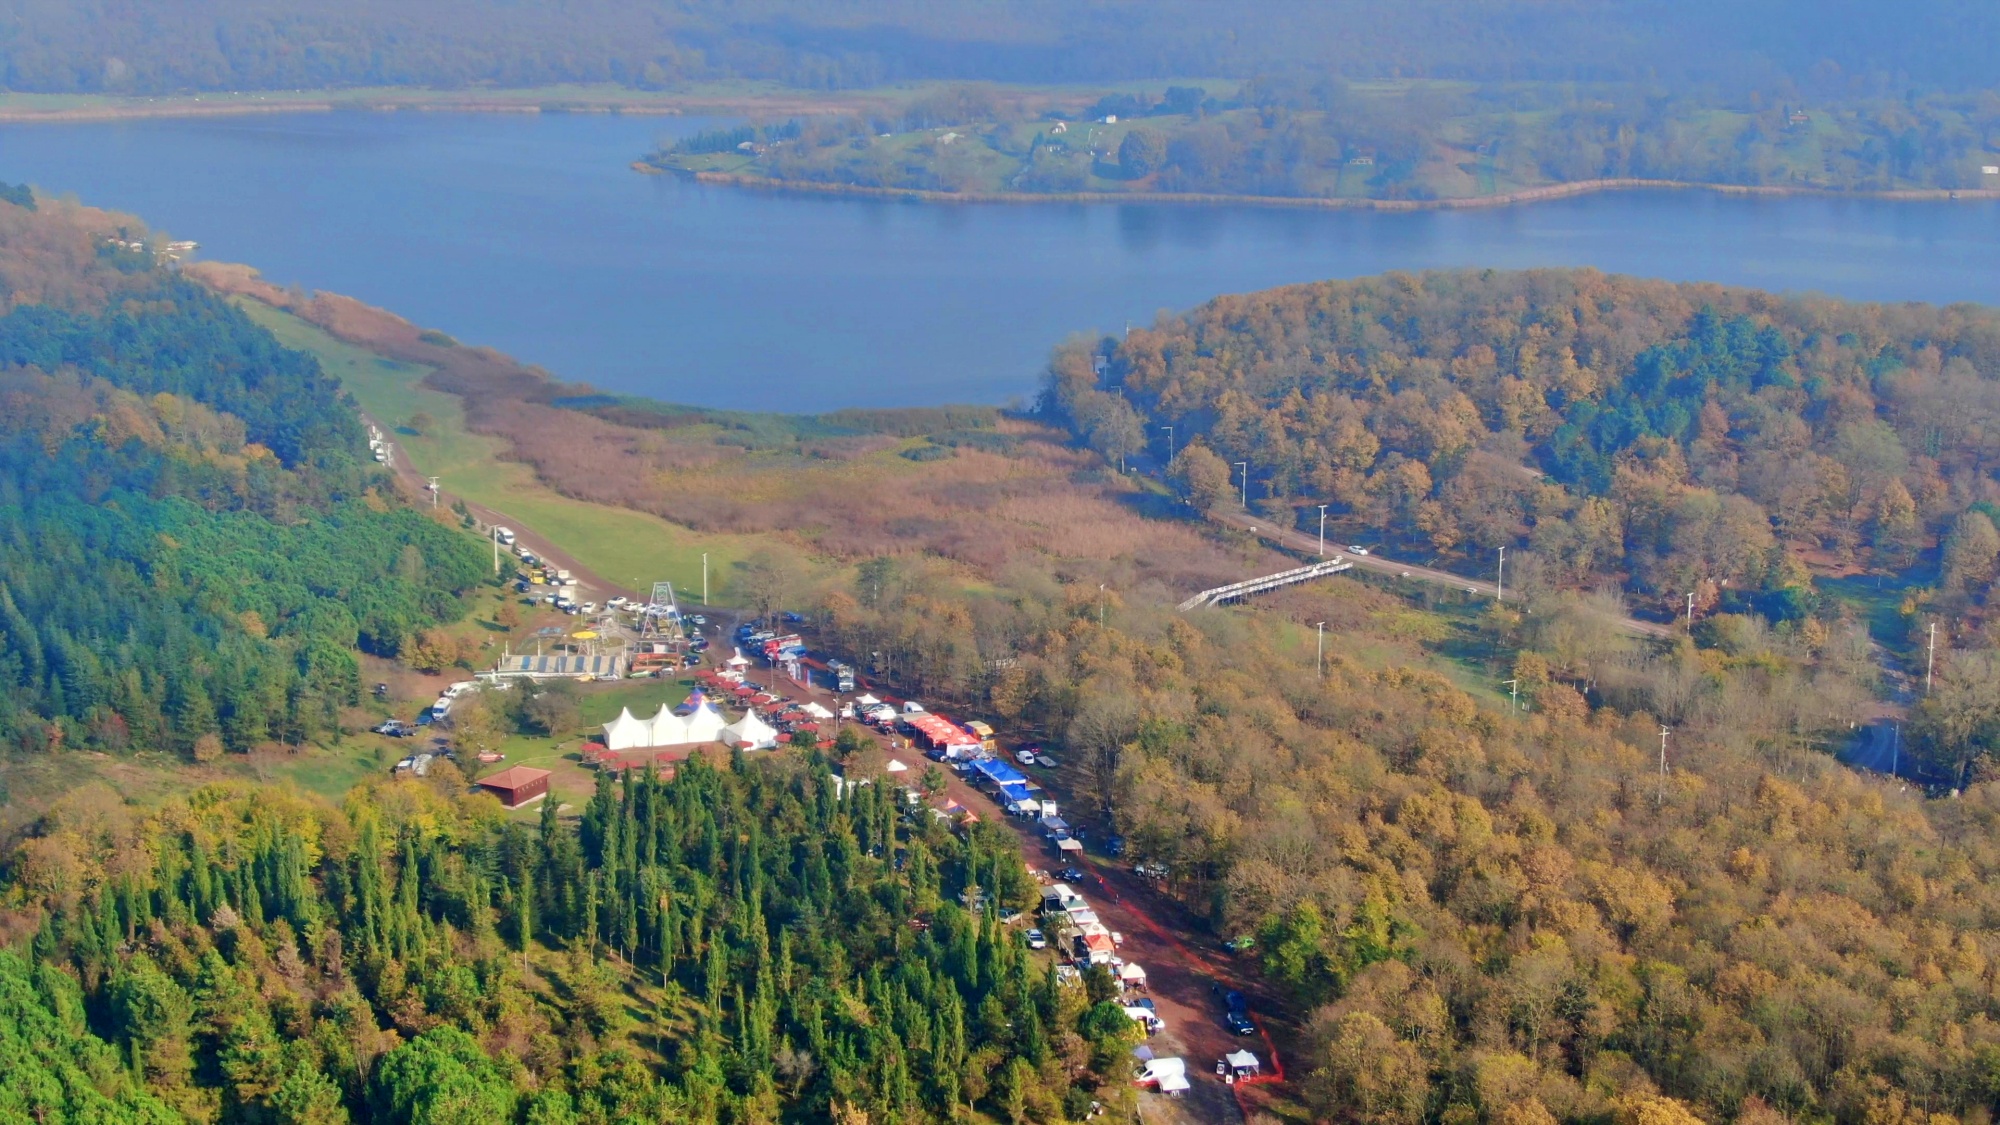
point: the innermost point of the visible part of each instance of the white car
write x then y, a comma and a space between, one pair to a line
617, 602
1359, 550
1025, 757
912, 707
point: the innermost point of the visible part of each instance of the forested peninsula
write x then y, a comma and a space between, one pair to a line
1328, 142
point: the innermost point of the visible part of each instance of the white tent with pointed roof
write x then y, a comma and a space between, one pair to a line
703, 724
750, 732
626, 732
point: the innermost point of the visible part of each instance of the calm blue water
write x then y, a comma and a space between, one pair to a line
532, 235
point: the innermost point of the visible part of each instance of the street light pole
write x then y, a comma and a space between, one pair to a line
1930, 662
1319, 663
1245, 466
1322, 531
1690, 609
704, 578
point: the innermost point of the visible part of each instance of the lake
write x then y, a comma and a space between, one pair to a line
532, 234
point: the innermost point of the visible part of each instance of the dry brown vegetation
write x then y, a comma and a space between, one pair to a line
842, 494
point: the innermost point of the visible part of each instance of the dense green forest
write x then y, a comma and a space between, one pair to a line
747, 944
193, 541
1665, 438
152, 47
1318, 137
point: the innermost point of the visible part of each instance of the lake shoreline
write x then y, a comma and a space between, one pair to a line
529, 102
1508, 199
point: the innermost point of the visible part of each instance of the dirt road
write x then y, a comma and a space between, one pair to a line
1300, 541
1180, 975
417, 487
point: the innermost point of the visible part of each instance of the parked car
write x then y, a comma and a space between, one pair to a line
699, 619
1025, 757
694, 660
1044, 761
1070, 875
1115, 847
1037, 940
1239, 1023
794, 619
912, 707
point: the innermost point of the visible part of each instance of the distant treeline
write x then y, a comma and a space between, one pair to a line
151, 48
1317, 136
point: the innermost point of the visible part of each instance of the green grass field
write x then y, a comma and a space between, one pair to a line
624, 546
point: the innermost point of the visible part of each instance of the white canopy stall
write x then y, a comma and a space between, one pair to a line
751, 733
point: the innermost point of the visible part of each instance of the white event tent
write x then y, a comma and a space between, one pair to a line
750, 732
703, 724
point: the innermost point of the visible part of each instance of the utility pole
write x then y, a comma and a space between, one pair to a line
1662, 799
1319, 664
704, 578
494, 533
434, 493
1170, 443
1895, 748
1322, 531
1514, 691
1930, 662
1500, 580
1690, 609
1100, 605
1245, 466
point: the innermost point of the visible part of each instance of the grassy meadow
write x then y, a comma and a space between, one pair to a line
624, 546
